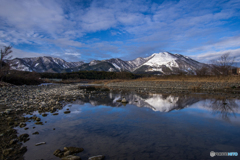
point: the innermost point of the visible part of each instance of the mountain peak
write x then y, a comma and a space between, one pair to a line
162, 62
161, 58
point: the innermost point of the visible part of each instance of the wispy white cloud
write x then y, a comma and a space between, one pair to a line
225, 43
73, 53
208, 56
28, 14
17, 53
65, 42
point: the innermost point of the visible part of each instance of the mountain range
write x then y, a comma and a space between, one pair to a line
157, 63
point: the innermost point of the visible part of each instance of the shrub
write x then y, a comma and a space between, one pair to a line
21, 78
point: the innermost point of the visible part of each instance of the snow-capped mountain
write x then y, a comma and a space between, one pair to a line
166, 63
42, 64
94, 62
127, 65
157, 63
138, 62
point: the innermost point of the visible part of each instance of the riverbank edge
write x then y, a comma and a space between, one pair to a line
179, 85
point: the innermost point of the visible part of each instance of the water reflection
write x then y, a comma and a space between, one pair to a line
157, 102
226, 108
150, 126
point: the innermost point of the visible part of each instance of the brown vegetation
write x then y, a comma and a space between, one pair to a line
193, 78
182, 78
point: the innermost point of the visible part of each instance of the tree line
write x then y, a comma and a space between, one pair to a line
93, 75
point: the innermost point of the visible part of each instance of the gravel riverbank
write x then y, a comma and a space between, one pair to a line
17, 101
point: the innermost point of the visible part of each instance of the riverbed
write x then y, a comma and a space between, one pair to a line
151, 125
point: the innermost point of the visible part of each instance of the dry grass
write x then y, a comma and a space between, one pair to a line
193, 78
105, 82
217, 79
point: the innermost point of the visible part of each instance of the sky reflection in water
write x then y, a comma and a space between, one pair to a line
153, 126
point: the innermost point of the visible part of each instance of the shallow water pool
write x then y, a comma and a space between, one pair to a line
150, 126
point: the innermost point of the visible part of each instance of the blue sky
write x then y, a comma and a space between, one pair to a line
83, 30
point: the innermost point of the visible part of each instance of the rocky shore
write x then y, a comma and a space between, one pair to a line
15, 101
176, 85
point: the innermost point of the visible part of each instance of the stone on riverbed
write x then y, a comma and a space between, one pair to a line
98, 157
66, 153
44, 114
13, 141
66, 112
7, 151
124, 100
10, 123
39, 123
71, 157
73, 149
23, 137
40, 143
58, 153
43, 105
8, 111
23, 149
22, 125
36, 132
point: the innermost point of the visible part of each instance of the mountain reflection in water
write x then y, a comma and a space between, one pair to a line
150, 126
226, 108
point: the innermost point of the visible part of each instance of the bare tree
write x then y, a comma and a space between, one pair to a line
180, 72
222, 65
226, 108
202, 71
4, 67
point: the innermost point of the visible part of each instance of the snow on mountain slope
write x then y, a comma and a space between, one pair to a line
161, 104
116, 66
138, 61
19, 64
41, 64
94, 62
119, 64
156, 102
163, 58
127, 65
167, 63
